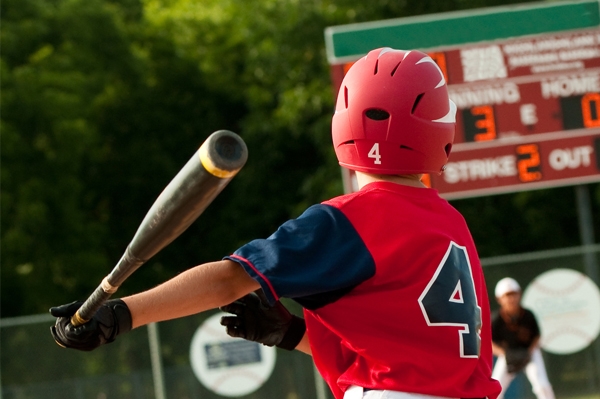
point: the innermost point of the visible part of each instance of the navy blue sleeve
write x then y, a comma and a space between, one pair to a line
312, 259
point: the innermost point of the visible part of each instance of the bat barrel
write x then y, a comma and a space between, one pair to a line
197, 184
218, 160
223, 154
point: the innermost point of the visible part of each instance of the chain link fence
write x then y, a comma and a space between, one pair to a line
34, 367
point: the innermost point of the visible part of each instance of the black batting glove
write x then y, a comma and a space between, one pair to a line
255, 321
112, 319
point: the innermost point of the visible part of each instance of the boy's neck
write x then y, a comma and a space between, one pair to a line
413, 180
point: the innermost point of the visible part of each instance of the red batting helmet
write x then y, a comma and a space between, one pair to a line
393, 115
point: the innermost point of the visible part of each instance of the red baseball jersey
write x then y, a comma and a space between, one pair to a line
393, 291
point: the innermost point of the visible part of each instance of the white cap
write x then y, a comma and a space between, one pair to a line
506, 285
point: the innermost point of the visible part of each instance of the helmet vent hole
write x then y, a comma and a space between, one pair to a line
448, 148
405, 147
418, 99
376, 67
346, 96
377, 114
395, 68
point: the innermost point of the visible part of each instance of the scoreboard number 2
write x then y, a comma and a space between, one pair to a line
528, 162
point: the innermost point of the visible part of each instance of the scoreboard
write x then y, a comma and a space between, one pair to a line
528, 112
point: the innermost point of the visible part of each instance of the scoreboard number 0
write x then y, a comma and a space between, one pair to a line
590, 109
580, 112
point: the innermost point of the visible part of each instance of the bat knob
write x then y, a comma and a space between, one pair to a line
223, 154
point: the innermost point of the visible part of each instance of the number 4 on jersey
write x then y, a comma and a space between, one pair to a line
450, 300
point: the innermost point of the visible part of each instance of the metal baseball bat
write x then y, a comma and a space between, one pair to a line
190, 192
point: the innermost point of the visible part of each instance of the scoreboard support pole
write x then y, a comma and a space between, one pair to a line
590, 263
586, 230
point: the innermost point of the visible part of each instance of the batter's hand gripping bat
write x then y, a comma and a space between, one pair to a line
196, 185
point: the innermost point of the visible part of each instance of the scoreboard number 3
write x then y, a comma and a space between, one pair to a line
449, 300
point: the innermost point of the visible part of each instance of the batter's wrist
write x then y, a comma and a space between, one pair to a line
294, 334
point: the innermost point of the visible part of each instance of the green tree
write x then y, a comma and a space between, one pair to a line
51, 73
105, 100
98, 115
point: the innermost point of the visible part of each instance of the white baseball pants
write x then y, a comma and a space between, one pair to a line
535, 372
355, 392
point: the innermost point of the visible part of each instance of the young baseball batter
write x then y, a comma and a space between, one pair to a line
395, 303
515, 338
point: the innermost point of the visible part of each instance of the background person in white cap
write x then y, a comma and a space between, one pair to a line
515, 338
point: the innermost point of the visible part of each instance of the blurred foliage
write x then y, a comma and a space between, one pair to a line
103, 101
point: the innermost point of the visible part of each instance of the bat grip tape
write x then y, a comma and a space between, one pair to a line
93, 303
108, 287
